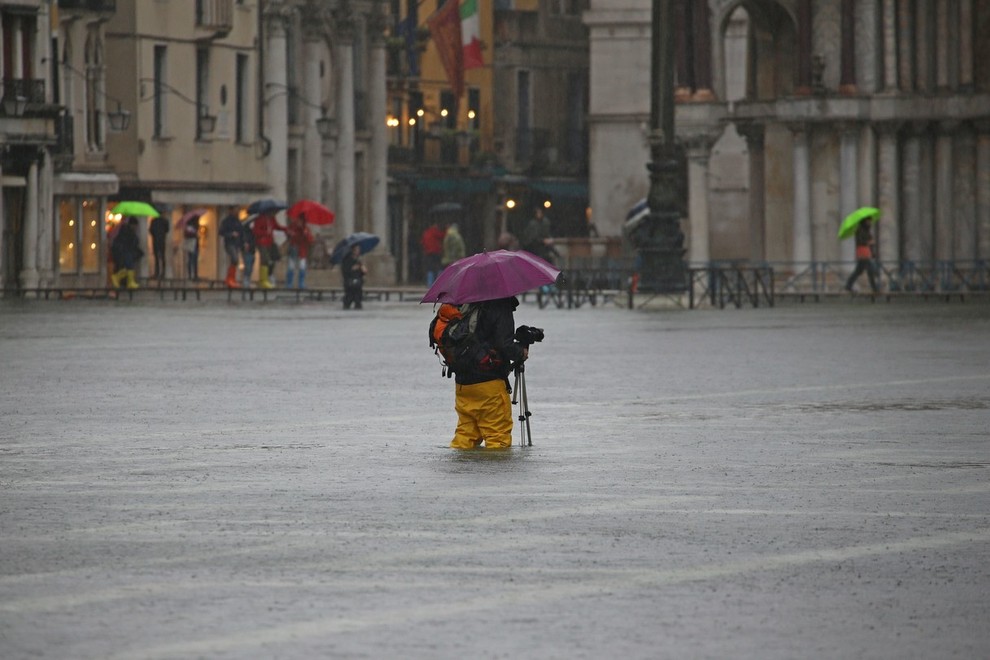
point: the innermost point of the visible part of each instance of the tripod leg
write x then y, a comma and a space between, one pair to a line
524, 413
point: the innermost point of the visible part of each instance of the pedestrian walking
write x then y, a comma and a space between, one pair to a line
865, 255
537, 238
248, 247
231, 230
264, 228
300, 239
353, 271
126, 252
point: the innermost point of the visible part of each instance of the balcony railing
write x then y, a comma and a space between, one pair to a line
95, 6
215, 14
32, 90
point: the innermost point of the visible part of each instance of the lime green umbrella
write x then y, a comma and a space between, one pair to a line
142, 209
852, 220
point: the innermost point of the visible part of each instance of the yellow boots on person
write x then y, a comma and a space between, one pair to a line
119, 278
263, 280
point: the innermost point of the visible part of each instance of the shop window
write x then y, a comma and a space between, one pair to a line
68, 249
90, 243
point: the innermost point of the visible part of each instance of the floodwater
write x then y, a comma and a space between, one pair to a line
272, 481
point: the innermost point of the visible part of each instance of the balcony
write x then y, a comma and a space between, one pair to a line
90, 6
215, 15
31, 90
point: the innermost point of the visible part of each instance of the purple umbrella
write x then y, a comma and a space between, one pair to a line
489, 276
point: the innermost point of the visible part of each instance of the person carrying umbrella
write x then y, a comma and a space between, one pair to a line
865, 249
353, 271
485, 286
231, 229
264, 227
126, 252
300, 240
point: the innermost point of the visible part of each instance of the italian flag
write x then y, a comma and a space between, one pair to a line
471, 35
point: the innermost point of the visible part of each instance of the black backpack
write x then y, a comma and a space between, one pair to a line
454, 340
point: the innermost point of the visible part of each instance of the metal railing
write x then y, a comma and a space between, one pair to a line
939, 276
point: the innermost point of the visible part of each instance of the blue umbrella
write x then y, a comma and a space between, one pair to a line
366, 241
266, 205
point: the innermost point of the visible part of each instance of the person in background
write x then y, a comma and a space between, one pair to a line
231, 230
158, 229
453, 246
248, 247
353, 271
126, 253
300, 240
264, 235
864, 256
190, 245
536, 237
432, 243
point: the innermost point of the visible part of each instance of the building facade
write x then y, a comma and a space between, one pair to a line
794, 113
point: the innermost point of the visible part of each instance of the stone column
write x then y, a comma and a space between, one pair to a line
804, 47
942, 45
684, 83
888, 198
966, 44
314, 37
944, 165
29, 275
983, 189
46, 215
698, 148
848, 182
905, 45
802, 242
377, 106
277, 98
925, 183
847, 80
964, 194
754, 134
924, 45
889, 30
344, 68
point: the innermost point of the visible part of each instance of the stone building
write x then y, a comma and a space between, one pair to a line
27, 144
796, 112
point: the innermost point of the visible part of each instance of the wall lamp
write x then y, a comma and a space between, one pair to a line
118, 120
14, 105
324, 124
205, 122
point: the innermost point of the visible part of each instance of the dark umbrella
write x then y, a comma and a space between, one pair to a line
266, 205
366, 241
447, 207
490, 276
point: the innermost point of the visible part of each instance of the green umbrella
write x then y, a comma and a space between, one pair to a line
852, 220
142, 209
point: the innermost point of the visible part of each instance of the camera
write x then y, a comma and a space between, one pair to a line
527, 335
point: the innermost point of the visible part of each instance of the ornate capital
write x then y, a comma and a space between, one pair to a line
376, 24
276, 16
752, 132
344, 23
314, 20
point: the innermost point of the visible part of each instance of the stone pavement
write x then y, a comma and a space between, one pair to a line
272, 481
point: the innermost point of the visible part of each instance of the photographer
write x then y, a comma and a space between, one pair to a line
484, 411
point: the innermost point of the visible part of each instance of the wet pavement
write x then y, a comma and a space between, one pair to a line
183, 480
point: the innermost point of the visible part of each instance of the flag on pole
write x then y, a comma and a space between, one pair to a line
471, 35
445, 30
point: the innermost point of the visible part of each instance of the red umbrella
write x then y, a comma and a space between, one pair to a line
313, 212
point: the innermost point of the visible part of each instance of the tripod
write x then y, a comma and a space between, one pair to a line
519, 396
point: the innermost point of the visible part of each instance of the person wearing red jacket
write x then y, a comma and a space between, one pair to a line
263, 228
432, 244
300, 240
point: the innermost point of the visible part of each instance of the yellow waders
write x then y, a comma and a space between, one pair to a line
484, 413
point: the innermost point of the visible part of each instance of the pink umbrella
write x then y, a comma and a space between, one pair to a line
191, 215
490, 276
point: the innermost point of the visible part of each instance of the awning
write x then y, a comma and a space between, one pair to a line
561, 189
86, 183
454, 185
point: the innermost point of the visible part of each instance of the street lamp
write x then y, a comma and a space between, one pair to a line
118, 119
14, 105
659, 239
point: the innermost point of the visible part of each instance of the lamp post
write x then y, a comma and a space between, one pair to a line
659, 239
